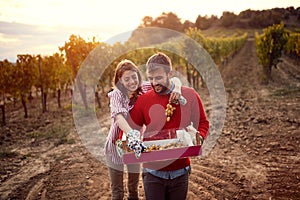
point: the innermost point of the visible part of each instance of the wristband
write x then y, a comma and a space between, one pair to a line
182, 100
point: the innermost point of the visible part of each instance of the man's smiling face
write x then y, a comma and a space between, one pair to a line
159, 80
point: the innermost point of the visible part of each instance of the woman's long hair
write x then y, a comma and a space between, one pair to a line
123, 66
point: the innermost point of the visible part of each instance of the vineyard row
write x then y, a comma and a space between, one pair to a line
58, 71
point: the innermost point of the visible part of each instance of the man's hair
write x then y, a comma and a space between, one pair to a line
159, 60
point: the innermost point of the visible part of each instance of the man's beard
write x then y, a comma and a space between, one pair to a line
164, 88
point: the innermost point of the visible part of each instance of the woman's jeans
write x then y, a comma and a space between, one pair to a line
116, 173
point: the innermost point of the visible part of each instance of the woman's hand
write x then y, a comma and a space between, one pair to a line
176, 93
174, 96
134, 143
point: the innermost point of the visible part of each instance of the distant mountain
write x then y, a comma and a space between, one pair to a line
261, 19
248, 19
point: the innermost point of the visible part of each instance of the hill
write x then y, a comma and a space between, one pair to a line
245, 21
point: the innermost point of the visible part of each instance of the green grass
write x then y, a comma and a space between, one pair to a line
283, 92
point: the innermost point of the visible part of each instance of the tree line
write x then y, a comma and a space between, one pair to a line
44, 75
245, 19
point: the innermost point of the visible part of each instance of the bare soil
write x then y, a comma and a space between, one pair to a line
255, 157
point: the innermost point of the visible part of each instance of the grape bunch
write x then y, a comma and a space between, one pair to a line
169, 111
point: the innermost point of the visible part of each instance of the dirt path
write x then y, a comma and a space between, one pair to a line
256, 156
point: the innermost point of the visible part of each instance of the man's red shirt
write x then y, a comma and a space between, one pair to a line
149, 110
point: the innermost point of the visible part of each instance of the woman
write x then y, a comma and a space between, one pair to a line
127, 87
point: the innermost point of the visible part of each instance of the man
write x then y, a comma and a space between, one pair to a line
166, 179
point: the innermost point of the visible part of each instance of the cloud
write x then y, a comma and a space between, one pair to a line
17, 38
20, 38
13, 28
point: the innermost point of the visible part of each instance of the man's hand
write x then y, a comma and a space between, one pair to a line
197, 138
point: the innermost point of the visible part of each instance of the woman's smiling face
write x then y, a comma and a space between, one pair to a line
130, 80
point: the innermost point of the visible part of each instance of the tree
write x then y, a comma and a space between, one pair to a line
203, 23
76, 50
269, 47
26, 76
146, 22
168, 20
51, 74
228, 19
187, 24
6, 72
40, 84
63, 75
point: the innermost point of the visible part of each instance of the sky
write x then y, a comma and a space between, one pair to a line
42, 26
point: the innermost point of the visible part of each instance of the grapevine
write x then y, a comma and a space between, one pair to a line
220, 49
269, 46
292, 46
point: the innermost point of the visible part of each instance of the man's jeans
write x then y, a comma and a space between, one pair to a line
163, 189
